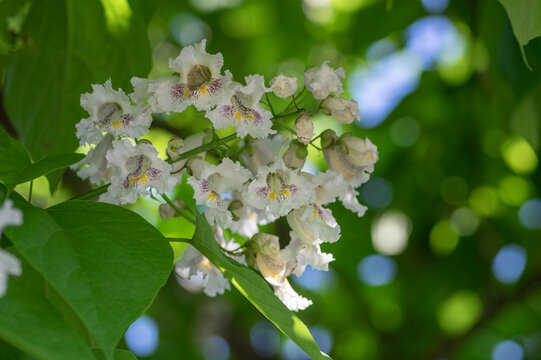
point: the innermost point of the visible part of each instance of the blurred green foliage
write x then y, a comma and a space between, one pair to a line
467, 137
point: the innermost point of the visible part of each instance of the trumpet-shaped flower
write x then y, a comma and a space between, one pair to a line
313, 223
136, 168
111, 112
97, 169
200, 83
211, 182
241, 109
280, 189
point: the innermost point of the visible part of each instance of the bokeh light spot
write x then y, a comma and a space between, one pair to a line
443, 239
460, 312
530, 214
142, 337
188, 29
390, 232
323, 338
519, 155
215, 348
464, 221
404, 132
507, 350
484, 201
376, 270
514, 190
435, 6
265, 339
316, 280
377, 192
508, 265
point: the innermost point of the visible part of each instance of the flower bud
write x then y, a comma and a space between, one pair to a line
304, 128
196, 166
283, 86
351, 156
144, 141
323, 80
341, 109
167, 212
328, 138
266, 244
295, 155
233, 206
173, 146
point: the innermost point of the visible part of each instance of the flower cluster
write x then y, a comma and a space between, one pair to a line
243, 186
9, 264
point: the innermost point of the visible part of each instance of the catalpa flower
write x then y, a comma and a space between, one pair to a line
193, 263
9, 264
323, 80
211, 182
241, 109
145, 91
313, 223
280, 188
111, 112
190, 143
136, 168
246, 218
261, 152
200, 83
307, 254
97, 169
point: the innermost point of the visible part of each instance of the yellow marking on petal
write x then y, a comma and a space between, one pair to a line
314, 212
203, 90
213, 197
285, 193
186, 92
143, 179
252, 216
205, 264
251, 117
100, 125
271, 195
117, 124
238, 116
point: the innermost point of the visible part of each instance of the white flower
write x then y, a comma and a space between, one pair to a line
323, 80
97, 169
280, 188
246, 218
275, 268
307, 254
350, 202
262, 152
9, 216
150, 92
242, 110
9, 264
137, 168
193, 262
290, 298
341, 109
211, 183
313, 223
283, 86
328, 186
111, 111
304, 128
200, 84
295, 155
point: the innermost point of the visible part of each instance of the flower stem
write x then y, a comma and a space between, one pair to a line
179, 211
205, 147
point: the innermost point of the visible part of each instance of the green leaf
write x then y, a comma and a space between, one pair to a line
525, 17
29, 322
107, 262
118, 355
17, 167
255, 289
70, 44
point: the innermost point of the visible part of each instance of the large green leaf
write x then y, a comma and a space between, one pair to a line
17, 167
525, 17
118, 355
107, 262
31, 323
70, 44
255, 289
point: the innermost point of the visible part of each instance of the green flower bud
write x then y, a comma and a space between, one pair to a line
295, 155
